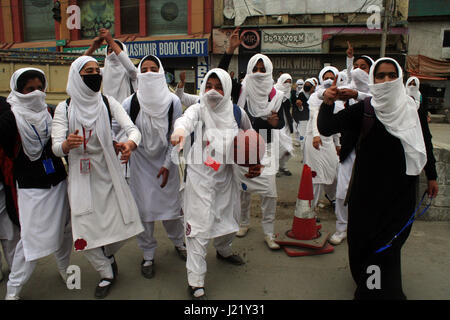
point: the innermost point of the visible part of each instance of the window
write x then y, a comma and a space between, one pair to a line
38, 20
96, 14
446, 42
166, 17
129, 16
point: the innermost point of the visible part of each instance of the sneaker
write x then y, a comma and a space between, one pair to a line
233, 259
182, 253
148, 271
197, 293
286, 172
337, 238
270, 240
102, 291
12, 297
242, 232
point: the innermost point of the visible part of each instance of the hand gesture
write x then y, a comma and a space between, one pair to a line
73, 141
182, 79
273, 119
316, 142
254, 171
346, 94
299, 104
349, 50
125, 149
97, 43
165, 173
105, 34
331, 94
177, 137
235, 40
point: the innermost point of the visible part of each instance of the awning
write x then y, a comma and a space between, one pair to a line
424, 77
423, 66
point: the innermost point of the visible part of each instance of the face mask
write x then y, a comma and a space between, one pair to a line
306, 88
286, 87
213, 98
93, 81
327, 83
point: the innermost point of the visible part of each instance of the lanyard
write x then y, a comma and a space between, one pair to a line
39, 137
85, 142
410, 221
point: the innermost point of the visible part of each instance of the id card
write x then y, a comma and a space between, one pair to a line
48, 166
85, 166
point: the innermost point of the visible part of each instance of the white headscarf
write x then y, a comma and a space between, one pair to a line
86, 103
116, 82
30, 110
220, 124
413, 91
397, 112
283, 86
256, 88
312, 83
155, 100
334, 70
360, 80
299, 87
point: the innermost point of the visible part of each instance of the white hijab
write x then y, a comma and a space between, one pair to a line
360, 80
155, 100
299, 87
312, 83
334, 70
283, 86
413, 91
86, 103
220, 124
30, 110
398, 113
256, 88
116, 82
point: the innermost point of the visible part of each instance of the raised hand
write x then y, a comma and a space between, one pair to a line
235, 41
349, 50
331, 94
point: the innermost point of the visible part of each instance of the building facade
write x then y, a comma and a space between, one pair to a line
177, 31
301, 37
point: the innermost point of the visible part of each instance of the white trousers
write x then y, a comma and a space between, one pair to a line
302, 132
284, 158
9, 247
196, 256
99, 258
268, 209
148, 243
21, 269
341, 215
330, 191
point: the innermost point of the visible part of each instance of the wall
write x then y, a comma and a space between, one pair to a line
425, 38
440, 208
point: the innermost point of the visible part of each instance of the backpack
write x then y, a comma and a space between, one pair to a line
105, 100
135, 108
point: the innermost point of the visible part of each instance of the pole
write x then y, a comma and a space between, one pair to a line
387, 15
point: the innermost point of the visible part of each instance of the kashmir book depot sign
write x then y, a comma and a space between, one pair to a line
160, 48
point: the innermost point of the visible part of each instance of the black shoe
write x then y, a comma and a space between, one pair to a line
148, 271
233, 259
182, 252
279, 174
102, 292
286, 172
192, 292
115, 269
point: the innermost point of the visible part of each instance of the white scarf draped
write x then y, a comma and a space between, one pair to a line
398, 113
155, 100
85, 103
413, 91
256, 88
360, 80
283, 86
220, 124
299, 87
116, 82
30, 110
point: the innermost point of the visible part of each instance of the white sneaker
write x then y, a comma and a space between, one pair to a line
337, 238
12, 297
242, 232
270, 240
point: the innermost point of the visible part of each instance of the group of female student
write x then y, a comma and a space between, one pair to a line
97, 210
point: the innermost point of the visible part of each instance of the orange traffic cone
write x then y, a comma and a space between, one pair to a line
305, 232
